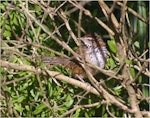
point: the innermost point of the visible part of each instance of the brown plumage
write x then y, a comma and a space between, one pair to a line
93, 50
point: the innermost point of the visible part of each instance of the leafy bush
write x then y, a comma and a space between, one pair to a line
30, 87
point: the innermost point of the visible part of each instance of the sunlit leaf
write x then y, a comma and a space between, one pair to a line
133, 73
77, 113
18, 108
39, 109
128, 61
112, 45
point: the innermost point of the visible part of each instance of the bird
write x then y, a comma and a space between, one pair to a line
93, 49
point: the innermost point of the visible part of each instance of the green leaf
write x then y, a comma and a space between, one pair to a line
145, 91
89, 101
27, 108
137, 44
18, 100
140, 79
7, 27
86, 115
2, 7
103, 109
1, 21
15, 21
77, 113
69, 101
7, 33
37, 8
112, 45
37, 96
39, 109
42, 36
118, 88
132, 71
50, 90
128, 61
32, 93
18, 108
8, 89
110, 62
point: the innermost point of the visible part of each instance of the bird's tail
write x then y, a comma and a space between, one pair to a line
55, 60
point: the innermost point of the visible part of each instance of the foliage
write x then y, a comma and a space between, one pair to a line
33, 28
